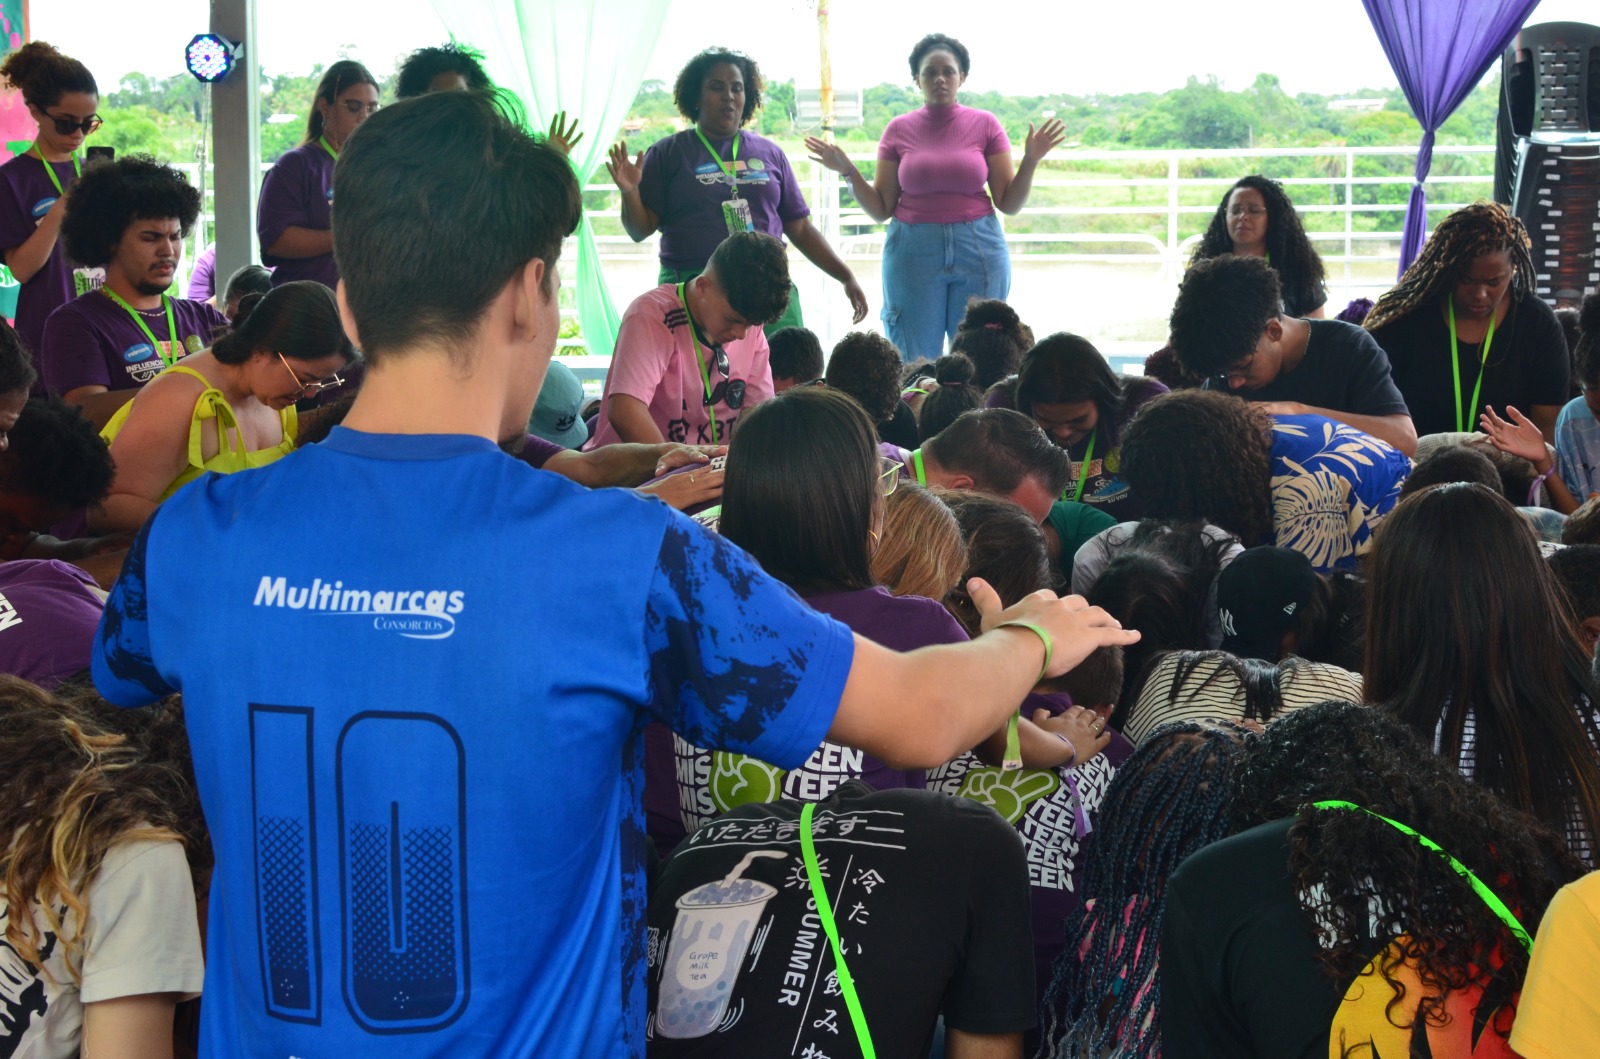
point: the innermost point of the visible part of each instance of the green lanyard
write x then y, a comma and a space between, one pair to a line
819, 897
916, 466
171, 356
50, 171
705, 374
326, 146
1083, 471
729, 168
1462, 425
1490, 898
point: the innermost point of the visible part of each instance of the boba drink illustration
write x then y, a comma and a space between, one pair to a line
709, 940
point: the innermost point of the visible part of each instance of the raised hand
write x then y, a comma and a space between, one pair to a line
829, 156
1046, 138
1519, 437
564, 134
625, 172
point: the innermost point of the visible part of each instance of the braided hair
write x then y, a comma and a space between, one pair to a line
1167, 801
1468, 233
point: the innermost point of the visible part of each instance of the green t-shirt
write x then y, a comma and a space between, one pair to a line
1074, 524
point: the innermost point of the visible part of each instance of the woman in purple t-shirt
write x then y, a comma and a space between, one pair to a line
294, 214
945, 245
62, 97
697, 186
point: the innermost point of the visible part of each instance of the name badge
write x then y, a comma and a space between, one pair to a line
736, 214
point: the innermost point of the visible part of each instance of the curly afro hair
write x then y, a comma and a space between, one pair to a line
866, 365
1223, 307
419, 69
111, 196
692, 79
1199, 454
1297, 262
1348, 866
56, 454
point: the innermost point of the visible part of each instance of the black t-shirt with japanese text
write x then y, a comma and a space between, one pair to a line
930, 894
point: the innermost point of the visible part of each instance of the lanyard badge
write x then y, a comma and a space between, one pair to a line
170, 357
735, 211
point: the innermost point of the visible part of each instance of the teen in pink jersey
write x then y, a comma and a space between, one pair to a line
942, 172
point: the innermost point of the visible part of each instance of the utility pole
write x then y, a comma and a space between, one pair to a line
825, 94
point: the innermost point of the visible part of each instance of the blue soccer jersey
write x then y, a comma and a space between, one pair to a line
415, 673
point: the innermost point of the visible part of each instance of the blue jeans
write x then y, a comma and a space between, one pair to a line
929, 272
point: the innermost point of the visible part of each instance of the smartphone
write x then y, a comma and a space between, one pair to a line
101, 154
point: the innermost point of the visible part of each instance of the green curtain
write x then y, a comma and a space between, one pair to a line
585, 57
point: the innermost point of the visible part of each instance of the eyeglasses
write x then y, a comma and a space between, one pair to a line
1246, 211
1240, 371
890, 478
311, 389
68, 126
728, 391
355, 106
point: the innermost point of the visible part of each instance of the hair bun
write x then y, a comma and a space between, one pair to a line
954, 369
247, 305
991, 313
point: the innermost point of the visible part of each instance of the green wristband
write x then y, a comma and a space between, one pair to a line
1038, 630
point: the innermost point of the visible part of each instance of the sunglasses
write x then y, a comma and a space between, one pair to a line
311, 389
67, 126
729, 391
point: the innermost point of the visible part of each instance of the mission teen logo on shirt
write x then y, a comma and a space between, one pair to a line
414, 614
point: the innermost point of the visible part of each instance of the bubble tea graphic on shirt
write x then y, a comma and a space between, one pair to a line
709, 940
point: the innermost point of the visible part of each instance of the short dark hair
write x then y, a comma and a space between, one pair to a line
57, 455
17, 373
1224, 305
940, 42
801, 487
794, 353
1066, 369
1199, 454
953, 397
1453, 463
866, 365
1583, 525
1586, 350
1577, 568
111, 196
418, 69
692, 78
444, 162
338, 77
250, 279
998, 449
752, 268
299, 320
1005, 547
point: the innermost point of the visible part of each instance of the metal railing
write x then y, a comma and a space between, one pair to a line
1173, 192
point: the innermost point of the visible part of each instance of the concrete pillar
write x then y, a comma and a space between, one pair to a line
236, 121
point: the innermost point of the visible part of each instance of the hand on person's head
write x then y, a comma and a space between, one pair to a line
674, 456
1075, 628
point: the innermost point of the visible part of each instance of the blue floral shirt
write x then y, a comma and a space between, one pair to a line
1331, 486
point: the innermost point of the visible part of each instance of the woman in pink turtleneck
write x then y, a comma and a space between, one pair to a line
942, 172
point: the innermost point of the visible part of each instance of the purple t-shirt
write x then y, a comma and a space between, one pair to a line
203, 279
49, 611
92, 341
297, 192
536, 451
944, 162
26, 195
683, 185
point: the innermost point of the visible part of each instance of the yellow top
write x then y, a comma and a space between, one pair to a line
231, 455
1559, 1014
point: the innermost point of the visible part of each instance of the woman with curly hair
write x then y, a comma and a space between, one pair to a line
1302, 481
994, 338
108, 850
942, 172
62, 97
1065, 384
1473, 644
1465, 330
1328, 930
1168, 800
717, 177
1257, 219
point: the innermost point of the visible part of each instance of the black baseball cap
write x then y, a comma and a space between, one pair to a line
1259, 596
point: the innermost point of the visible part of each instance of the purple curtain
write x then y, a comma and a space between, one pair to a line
1440, 49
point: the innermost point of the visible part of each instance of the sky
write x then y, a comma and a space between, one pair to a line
1328, 47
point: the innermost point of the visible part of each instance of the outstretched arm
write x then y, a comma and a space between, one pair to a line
1010, 190
878, 198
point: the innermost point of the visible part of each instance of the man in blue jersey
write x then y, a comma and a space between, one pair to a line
416, 670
